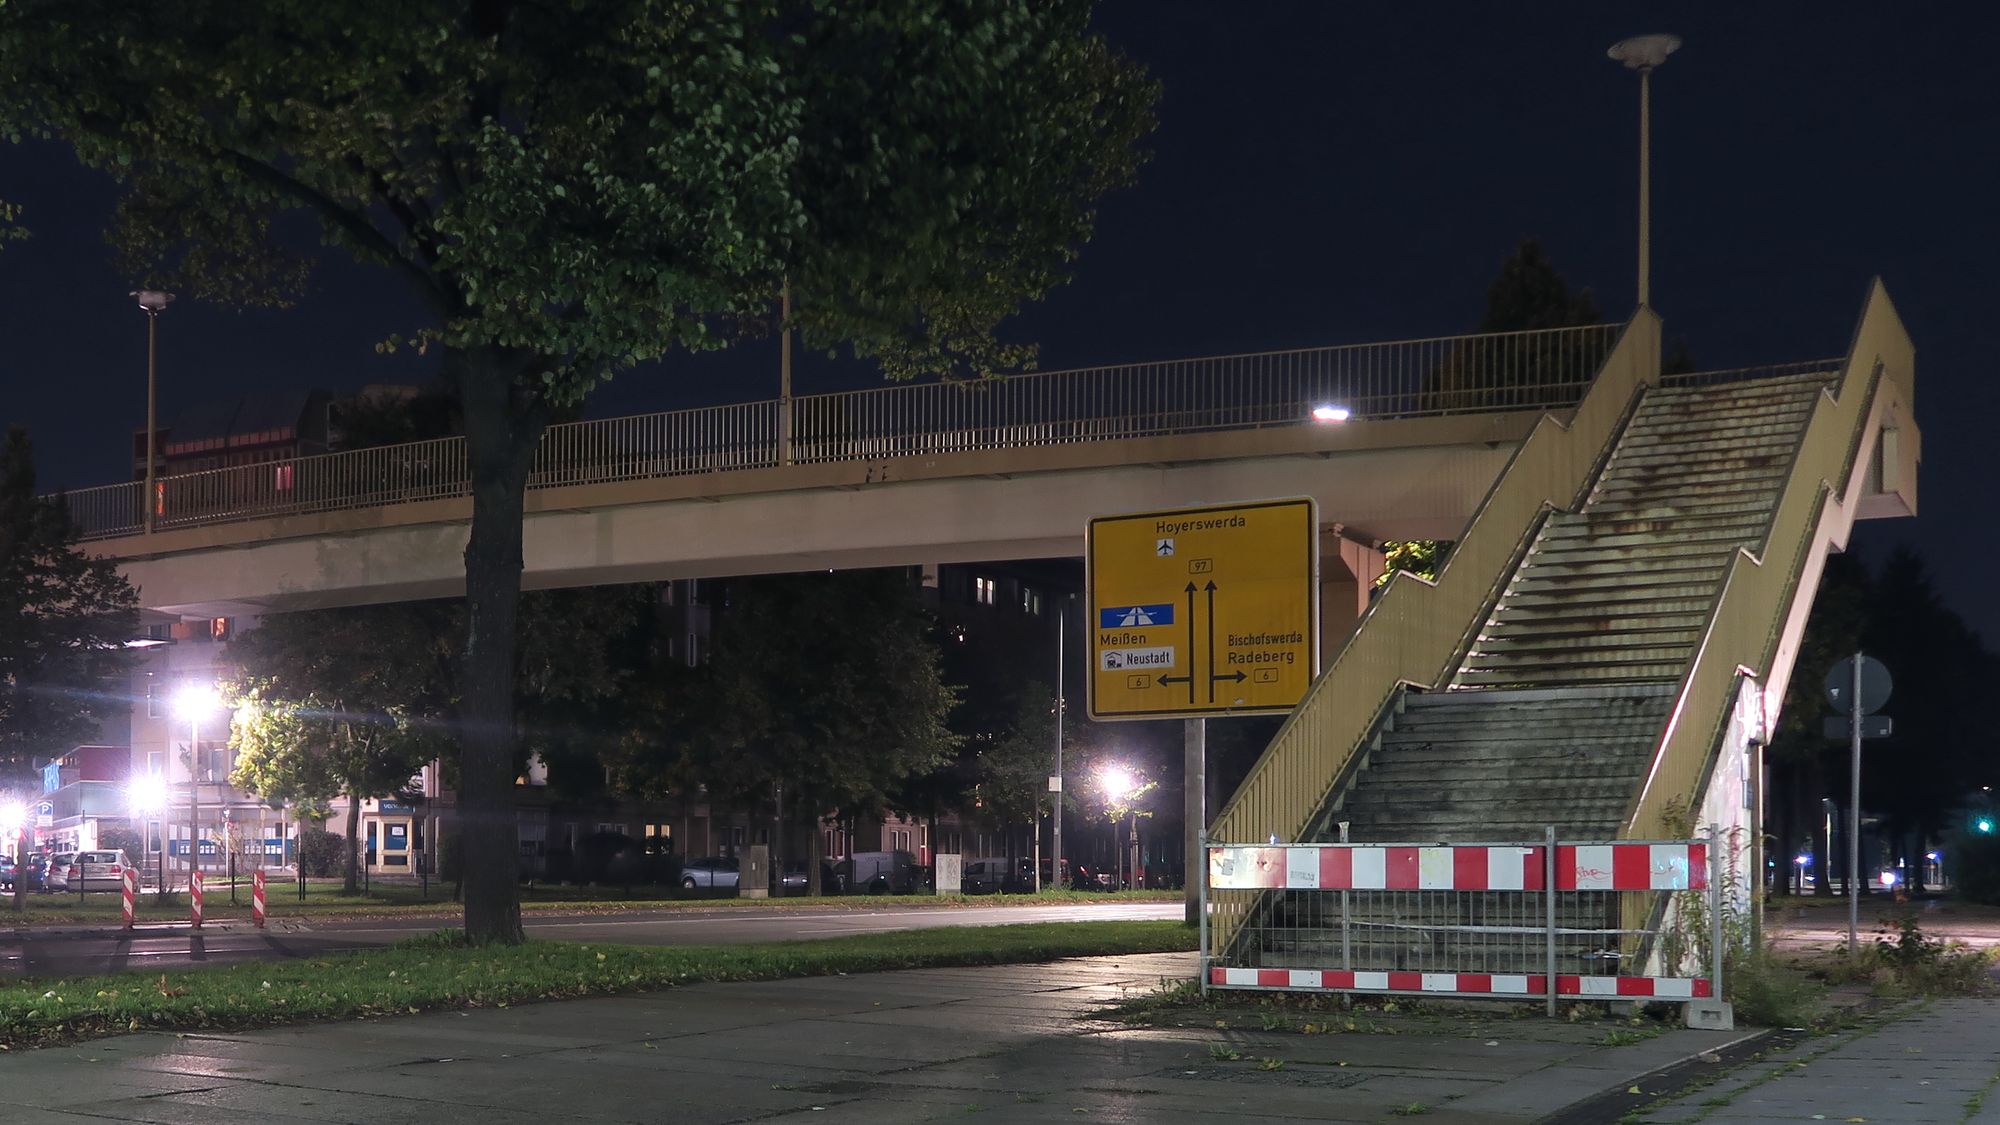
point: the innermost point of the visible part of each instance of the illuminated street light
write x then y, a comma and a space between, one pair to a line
192, 702
1116, 782
147, 796
1327, 412
195, 700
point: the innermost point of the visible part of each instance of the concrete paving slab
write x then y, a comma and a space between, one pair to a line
998, 1044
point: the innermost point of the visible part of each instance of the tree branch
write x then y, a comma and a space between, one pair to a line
354, 224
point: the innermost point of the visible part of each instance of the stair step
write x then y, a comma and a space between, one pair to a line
1548, 675
1416, 699
1597, 524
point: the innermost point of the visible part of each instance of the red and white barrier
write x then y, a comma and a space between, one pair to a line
257, 897
129, 878
1568, 985
1460, 867
194, 899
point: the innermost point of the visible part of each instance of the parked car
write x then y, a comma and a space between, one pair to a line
57, 876
97, 871
710, 871
797, 884
34, 872
7, 872
879, 873
995, 875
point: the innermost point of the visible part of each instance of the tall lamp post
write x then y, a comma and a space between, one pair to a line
147, 797
193, 701
1643, 53
153, 302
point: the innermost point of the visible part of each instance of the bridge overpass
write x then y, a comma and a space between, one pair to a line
924, 473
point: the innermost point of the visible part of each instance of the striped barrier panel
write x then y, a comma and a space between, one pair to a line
1497, 920
1681, 866
1569, 986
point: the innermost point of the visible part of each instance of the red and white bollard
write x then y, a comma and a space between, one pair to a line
257, 897
130, 877
194, 899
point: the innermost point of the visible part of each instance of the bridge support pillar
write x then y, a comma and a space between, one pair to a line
1348, 568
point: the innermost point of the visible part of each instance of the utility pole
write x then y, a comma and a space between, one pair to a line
1055, 779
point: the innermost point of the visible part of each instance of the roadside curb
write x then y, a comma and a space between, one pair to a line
113, 933
1614, 1102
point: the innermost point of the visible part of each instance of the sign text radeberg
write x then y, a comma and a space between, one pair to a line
1204, 611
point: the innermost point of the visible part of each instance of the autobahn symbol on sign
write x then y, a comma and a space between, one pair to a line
1220, 602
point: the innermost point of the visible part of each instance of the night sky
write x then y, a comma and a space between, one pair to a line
1323, 174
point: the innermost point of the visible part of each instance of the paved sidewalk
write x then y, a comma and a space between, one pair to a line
1936, 1063
1002, 1044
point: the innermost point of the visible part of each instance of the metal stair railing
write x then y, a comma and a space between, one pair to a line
1414, 631
1756, 617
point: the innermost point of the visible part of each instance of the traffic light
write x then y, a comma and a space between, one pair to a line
1984, 825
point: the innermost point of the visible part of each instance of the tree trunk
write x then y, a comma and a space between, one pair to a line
350, 883
502, 425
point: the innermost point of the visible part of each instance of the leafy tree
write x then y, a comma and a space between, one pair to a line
64, 621
1923, 771
1531, 294
1013, 767
1804, 765
1421, 557
1528, 295
341, 701
823, 695
569, 189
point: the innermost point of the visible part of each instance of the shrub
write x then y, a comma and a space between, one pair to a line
1976, 858
321, 852
450, 855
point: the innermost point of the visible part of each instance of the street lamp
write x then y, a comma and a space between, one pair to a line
152, 302
190, 703
1643, 53
1118, 782
147, 797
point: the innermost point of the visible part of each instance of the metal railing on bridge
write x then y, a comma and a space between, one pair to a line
1407, 378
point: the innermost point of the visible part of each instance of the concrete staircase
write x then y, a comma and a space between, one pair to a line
1619, 591
1560, 702
1561, 699
1497, 766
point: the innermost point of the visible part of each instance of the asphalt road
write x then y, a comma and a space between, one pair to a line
53, 953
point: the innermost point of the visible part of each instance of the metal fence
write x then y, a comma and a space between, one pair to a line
1406, 378
1495, 921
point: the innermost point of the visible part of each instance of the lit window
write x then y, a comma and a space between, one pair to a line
983, 590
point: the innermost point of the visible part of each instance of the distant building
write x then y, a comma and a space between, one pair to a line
263, 427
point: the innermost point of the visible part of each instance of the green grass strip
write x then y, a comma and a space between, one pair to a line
395, 901
439, 972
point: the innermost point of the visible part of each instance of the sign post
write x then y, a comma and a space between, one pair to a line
194, 898
1861, 685
1201, 612
128, 879
257, 897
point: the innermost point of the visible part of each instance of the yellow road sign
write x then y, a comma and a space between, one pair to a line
1203, 611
